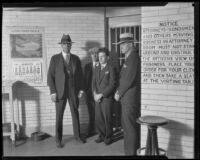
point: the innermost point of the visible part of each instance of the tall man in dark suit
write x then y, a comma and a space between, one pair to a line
88, 74
128, 93
64, 80
104, 83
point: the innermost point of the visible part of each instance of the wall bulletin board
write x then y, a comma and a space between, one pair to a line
27, 55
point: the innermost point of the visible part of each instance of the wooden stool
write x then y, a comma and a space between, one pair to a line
152, 123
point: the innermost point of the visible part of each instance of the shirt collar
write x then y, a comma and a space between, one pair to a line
64, 54
95, 64
103, 65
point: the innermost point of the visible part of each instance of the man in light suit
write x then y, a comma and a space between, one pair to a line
103, 86
128, 93
88, 74
64, 80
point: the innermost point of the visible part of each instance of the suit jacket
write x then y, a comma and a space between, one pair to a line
88, 73
88, 76
106, 83
56, 77
129, 77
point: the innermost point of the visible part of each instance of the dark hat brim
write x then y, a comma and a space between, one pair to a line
120, 42
66, 43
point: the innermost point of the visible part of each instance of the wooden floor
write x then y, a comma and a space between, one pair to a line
47, 147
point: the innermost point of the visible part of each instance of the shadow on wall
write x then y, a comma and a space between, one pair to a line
177, 131
89, 44
25, 92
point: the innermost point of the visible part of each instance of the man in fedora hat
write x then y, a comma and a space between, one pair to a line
64, 80
128, 93
88, 75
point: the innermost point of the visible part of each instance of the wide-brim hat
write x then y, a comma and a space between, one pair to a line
126, 37
65, 39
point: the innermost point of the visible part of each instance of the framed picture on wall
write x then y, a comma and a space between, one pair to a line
27, 54
26, 45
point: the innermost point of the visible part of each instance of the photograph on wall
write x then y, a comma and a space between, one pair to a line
26, 45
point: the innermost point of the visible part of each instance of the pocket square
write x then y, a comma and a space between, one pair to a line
106, 72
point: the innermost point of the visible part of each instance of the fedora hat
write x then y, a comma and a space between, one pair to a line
65, 39
126, 37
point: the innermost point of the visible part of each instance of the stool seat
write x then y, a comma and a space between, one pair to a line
152, 120
152, 123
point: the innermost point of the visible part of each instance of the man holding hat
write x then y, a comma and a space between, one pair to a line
128, 93
88, 74
64, 80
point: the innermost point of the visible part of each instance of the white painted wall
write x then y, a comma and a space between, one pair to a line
172, 101
84, 25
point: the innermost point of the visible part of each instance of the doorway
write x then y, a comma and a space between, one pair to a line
116, 26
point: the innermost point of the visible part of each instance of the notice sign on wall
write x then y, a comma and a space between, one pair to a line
168, 54
29, 71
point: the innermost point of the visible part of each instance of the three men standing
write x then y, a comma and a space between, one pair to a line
128, 93
64, 80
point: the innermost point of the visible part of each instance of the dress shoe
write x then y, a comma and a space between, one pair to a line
108, 141
59, 145
81, 140
99, 140
90, 134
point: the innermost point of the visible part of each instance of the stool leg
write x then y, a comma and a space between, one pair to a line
153, 146
155, 150
148, 143
156, 143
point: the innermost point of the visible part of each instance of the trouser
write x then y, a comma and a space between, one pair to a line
103, 118
60, 107
116, 114
130, 113
91, 112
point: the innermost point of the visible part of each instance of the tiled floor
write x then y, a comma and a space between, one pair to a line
47, 147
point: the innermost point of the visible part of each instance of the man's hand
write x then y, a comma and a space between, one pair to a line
53, 97
117, 97
80, 94
98, 97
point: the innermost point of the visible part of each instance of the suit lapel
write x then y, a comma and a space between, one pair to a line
98, 70
126, 63
73, 63
103, 73
91, 69
61, 64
